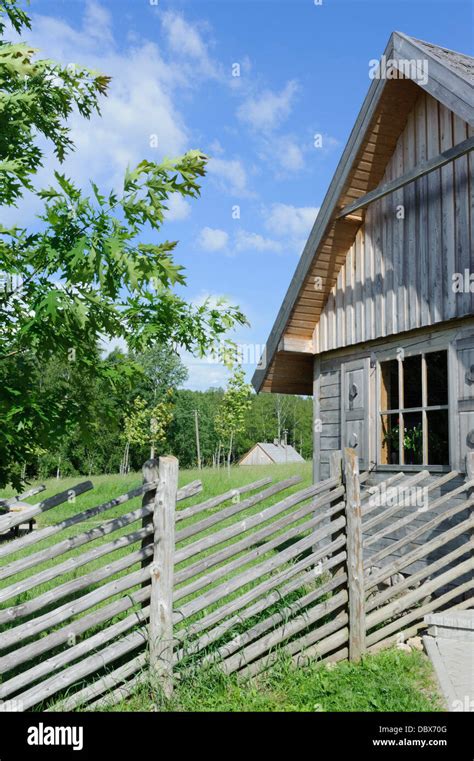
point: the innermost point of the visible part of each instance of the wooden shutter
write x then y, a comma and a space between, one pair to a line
355, 408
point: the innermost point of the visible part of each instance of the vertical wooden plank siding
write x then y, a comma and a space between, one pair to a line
461, 195
340, 336
379, 269
349, 297
398, 273
359, 279
410, 251
422, 204
435, 276
399, 268
368, 291
387, 253
447, 215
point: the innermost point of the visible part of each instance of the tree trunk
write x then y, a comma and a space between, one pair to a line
124, 465
229, 454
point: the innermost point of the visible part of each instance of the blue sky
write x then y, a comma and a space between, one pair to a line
303, 71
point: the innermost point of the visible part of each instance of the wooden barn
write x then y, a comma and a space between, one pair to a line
378, 321
264, 453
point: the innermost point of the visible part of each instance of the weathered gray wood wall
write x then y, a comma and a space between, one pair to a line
398, 272
420, 520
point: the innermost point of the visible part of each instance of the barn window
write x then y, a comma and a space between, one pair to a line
414, 410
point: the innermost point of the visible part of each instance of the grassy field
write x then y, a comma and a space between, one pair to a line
390, 681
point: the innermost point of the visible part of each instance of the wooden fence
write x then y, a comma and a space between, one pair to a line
230, 581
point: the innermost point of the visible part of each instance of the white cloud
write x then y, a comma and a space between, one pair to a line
185, 41
213, 239
289, 221
203, 374
230, 175
178, 208
182, 37
283, 154
268, 109
289, 155
329, 142
216, 148
249, 241
264, 113
97, 23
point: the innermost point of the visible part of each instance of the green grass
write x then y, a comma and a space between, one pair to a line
389, 681
108, 486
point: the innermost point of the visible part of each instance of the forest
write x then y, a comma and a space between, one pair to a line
136, 406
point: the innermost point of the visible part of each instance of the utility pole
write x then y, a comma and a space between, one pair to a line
198, 445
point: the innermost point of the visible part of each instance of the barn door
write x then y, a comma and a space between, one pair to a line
355, 408
464, 400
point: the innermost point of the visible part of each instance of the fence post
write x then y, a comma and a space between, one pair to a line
355, 559
162, 568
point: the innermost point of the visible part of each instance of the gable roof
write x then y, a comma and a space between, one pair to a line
371, 143
277, 453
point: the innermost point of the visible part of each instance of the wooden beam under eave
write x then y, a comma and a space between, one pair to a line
295, 345
414, 174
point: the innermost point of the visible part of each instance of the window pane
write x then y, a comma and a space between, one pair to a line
390, 439
413, 438
437, 372
412, 382
389, 391
438, 440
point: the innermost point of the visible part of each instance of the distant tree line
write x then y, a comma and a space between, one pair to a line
136, 406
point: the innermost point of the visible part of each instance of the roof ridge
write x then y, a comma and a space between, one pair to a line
434, 45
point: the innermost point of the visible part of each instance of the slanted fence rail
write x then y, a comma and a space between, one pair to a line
113, 597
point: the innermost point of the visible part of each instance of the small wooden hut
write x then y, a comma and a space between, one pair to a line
264, 453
